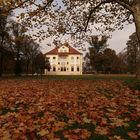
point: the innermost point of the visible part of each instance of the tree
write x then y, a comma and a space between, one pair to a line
133, 53
30, 54
35, 57
41, 63
120, 64
109, 57
27, 51
17, 37
98, 44
106, 61
4, 38
47, 64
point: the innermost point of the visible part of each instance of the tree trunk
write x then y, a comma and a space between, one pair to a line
1, 63
137, 21
1, 56
27, 67
18, 63
32, 67
136, 15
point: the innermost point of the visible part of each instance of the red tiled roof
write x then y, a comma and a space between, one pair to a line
71, 50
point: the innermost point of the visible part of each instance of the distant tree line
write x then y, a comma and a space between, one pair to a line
101, 59
19, 53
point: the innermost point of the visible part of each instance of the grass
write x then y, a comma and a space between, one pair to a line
75, 77
127, 79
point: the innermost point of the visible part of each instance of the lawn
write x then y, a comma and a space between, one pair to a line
75, 77
69, 108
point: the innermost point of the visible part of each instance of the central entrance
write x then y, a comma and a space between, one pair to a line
63, 63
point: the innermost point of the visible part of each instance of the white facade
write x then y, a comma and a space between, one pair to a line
64, 60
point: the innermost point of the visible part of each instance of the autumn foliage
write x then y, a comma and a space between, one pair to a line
68, 110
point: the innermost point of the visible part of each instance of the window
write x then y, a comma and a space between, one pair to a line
54, 69
54, 57
58, 62
72, 68
61, 68
67, 62
78, 69
77, 57
72, 58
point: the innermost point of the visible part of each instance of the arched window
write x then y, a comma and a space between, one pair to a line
54, 68
72, 68
78, 69
61, 68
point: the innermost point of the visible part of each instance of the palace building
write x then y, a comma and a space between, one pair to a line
64, 60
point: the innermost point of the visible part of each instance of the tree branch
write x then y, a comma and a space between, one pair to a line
45, 5
94, 9
14, 7
120, 2
124, 4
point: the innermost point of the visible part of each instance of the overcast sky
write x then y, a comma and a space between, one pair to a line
119, 38
117, 42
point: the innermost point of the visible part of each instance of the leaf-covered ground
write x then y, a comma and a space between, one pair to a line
68, 110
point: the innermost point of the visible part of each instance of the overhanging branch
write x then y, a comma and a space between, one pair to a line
14, 7
120, 2
94, 9
124, 4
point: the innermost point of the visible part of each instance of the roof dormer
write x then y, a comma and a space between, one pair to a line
63, 49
